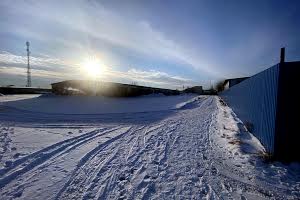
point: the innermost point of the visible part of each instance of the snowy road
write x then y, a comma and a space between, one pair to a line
186, 154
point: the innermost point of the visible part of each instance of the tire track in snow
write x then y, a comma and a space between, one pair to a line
63, 161
174, 158
142, 156
103, 185
149, 148
109, 167
86, 161
35, 159
138, 140
40, 152
5, 140
147, 160
184, 160
120, 175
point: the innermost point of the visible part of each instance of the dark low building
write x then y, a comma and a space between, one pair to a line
23, 90
85, 87
195, 89
228, 83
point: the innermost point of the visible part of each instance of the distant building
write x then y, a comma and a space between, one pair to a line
23, 90
85, 87
228, 83
195, 89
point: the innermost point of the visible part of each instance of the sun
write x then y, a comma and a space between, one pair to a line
93, 67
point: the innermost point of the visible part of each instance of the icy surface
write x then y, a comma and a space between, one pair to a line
186, 147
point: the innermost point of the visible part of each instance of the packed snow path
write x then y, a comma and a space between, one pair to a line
179, 157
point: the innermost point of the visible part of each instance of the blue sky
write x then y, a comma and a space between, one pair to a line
154, 43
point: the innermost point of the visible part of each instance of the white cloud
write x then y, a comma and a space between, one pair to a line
43, 67
154, 74
146, 78
63, 21
36, 72
90, 19
151, 78
11, 64
9, 58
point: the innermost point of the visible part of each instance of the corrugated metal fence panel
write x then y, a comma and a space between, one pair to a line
255, 100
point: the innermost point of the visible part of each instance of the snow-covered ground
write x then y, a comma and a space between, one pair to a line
95, 104
181, 147
6, 98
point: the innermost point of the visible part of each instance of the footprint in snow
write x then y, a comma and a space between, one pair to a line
16, 155
18, 194
132, 170
204, 190
243, 198
122, 178
8, 163
156, 162
214, 171
146, 177
238, 165
121, 198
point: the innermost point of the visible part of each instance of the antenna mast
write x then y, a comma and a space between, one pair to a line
28, 66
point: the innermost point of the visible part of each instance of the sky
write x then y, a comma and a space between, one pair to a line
170, 44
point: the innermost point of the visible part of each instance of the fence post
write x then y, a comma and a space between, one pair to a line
282, 55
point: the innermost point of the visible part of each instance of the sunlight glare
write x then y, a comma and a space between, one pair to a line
93, 67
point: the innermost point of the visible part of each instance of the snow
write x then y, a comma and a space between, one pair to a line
94, 104
151, 147
16, 97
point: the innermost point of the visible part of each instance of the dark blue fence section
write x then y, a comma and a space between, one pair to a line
254, 101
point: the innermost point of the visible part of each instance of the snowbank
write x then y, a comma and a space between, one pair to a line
93, 104
6, 98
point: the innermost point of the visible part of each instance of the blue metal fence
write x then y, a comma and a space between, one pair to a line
255, 101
